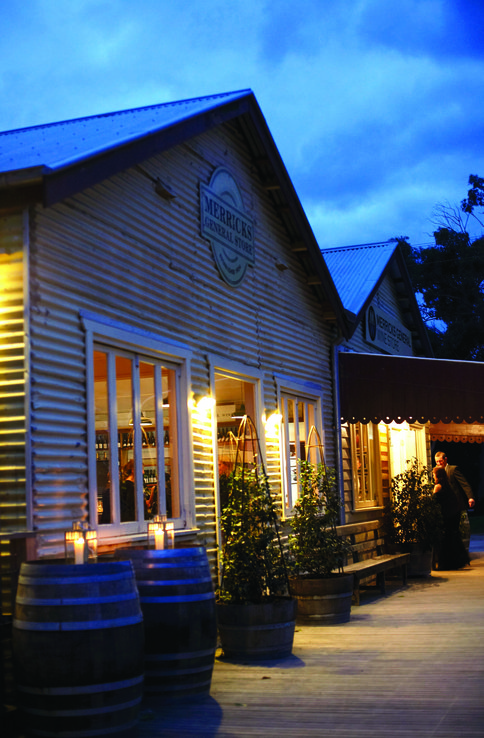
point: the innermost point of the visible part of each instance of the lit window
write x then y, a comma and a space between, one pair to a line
136, 438
299, 416
365, 459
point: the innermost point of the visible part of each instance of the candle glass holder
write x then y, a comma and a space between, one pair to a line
80, 544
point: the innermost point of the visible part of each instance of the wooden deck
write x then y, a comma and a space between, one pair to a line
410, 663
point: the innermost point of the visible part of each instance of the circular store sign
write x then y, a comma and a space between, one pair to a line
225, 224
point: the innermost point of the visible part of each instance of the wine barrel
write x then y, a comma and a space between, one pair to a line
77, 641
178, 603
252, 632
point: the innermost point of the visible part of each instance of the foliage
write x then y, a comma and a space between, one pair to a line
450, 278
316, 549
413, 515
253, 565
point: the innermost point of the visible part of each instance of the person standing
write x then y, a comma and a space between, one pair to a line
463, 494
458, 482
451, 552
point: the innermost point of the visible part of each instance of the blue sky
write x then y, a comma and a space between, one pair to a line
377, 108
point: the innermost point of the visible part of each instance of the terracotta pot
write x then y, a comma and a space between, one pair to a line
252, 632
324, 601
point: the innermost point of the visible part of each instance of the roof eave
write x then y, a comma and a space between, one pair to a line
308, 243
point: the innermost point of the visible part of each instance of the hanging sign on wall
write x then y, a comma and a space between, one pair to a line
387, 332
228, 228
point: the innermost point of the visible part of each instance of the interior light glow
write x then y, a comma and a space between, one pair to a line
272, 425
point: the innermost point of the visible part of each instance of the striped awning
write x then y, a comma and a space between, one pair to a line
380, 388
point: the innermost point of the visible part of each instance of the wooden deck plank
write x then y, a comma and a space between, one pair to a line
408, 664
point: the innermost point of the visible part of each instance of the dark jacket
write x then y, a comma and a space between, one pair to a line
460, 485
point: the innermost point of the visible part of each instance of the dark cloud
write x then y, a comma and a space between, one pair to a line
440, 28
376, 107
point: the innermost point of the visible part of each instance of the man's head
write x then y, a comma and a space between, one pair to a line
440, 458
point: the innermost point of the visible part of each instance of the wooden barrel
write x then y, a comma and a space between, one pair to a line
77, 640
324, 601
178, 603
255, 632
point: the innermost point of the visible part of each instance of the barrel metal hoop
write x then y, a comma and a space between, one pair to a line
178, 598
84, 689
94, 578
64, 601
173, 582
78, 625
162, 689
83, 733
271, 626
176, 656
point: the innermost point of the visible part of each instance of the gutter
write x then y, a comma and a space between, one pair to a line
336, 348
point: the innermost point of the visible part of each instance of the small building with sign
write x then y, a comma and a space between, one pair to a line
382, 317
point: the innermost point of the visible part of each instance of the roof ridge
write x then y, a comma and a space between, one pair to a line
172, 103
374, 244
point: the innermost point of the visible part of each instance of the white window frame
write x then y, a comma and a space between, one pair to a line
374, 468
116, 335
304, 391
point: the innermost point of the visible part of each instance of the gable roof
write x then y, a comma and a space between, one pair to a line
358, 272
51, 162
59, 152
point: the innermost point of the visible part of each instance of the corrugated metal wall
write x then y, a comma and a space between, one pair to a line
121, 250
13, 406
13, 513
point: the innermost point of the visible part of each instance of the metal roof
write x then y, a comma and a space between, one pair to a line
57, 145
357, 270
48, 163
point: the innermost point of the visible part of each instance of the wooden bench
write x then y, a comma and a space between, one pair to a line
369, 558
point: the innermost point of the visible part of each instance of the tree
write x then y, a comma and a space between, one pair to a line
450, 278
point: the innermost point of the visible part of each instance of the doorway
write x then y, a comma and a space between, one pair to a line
235, 398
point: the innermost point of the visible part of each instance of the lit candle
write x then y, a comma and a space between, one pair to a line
170, 535
79, 550
159, 538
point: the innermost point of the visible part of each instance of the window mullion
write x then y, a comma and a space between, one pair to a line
160, 444
113, 435
137, 439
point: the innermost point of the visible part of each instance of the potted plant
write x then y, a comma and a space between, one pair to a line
413, 517
317, 553
256, 616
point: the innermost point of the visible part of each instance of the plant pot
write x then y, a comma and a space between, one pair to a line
420, 563
323, 601
254, 632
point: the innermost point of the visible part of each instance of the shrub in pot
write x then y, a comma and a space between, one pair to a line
413, 517
256, 616
317, 553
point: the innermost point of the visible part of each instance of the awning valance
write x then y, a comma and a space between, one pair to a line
376, 387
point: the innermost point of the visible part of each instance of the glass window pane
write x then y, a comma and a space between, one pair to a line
101, 421
149, 439
125, 423
170, 438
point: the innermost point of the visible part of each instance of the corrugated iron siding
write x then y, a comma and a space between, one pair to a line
13, 513
121, 250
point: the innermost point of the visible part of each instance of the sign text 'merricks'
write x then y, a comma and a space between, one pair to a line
227, 224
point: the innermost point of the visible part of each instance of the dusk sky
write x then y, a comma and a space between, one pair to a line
377, 107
